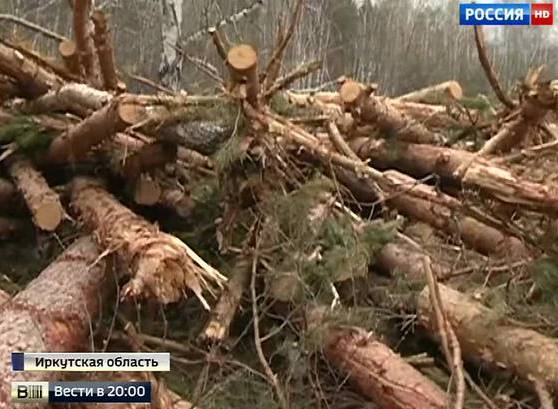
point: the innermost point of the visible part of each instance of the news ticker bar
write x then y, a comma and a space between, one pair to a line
81, 392
519, 14
91, 361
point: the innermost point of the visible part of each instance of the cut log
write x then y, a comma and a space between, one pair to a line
441, 211
399, 257
475, 234
217, 329
31, 79
84, 40
242, 61
68, 51
73, 97
43, 203
483, 337
436, 94
104, 123
379, 111
381, 374
161, 265
436, 116
52, 314
105, 51
422, 160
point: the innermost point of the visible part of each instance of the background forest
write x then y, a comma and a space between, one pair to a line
424, 44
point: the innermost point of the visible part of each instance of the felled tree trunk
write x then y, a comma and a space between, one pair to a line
103, 44
43, 203
483, 337
104, 123
435, 116
4, 296
52, 314
420, 160
381, 374
217, 329
32, 80
436, 94
170, 68
161, 265
84, 40
398, 256
379, 111
8, 89
73, 97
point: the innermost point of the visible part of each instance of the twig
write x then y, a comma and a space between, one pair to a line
151, 84
291, 77
488, 70
450, 345
278, 52
32, 26
339, 142
272, 378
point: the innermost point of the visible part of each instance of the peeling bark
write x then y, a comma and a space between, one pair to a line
79, 99
485, 338
52, 314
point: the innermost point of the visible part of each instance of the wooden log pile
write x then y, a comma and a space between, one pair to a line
314, 192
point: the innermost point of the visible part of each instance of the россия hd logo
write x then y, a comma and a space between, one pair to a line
523, 14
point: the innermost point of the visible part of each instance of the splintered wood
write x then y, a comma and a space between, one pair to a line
161, 266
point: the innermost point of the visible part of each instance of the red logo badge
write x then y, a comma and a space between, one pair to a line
542, 14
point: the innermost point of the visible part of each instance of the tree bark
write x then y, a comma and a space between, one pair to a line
104, 123
53, 313
484, 338
43, 203
31, 79
170, 68
79, 99
217, 329
421, 160
380, 111
84, 40
436, 94
381, 374
202, 136
161, 266
105, 51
